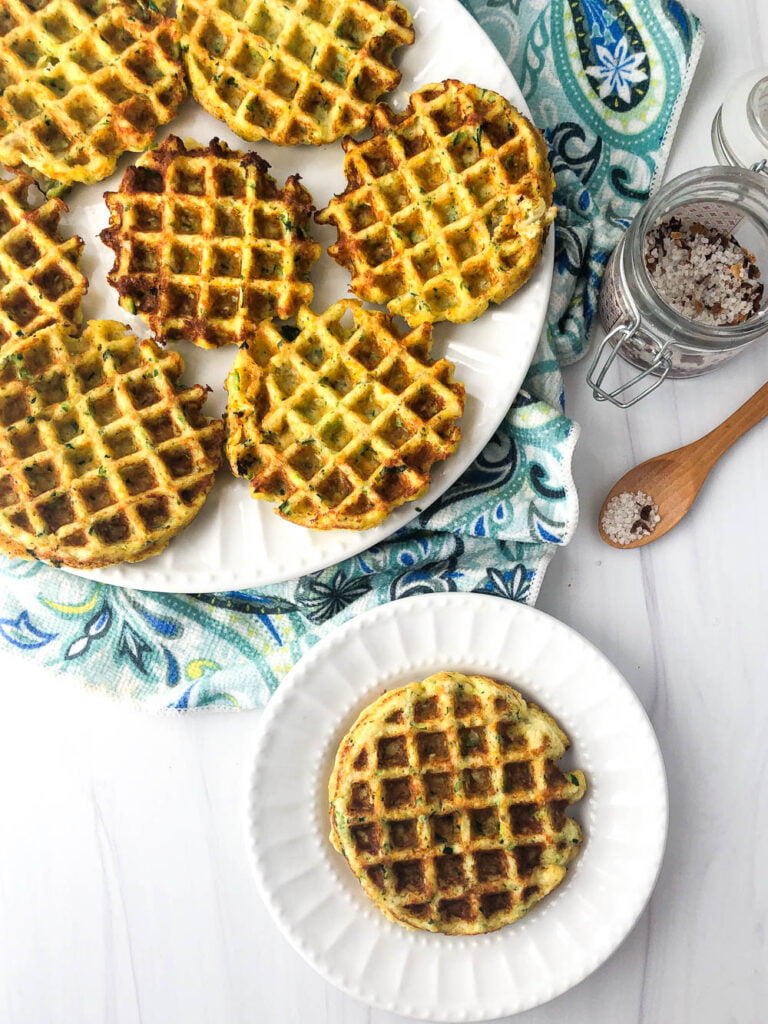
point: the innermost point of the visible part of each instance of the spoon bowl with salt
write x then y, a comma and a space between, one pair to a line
654, 496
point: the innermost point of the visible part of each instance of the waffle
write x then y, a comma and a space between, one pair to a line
448, 804
447, 205
206, 244
81, 82
307, 71
40, 280
103, 455
343, 423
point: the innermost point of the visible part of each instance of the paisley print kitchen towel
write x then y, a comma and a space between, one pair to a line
605, 79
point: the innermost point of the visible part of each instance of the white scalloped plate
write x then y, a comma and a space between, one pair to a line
318, 903
236, 542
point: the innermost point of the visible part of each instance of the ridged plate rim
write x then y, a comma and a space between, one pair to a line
313, 896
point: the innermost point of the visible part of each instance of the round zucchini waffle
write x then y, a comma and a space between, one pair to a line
81, 82
206, 245
340, 420
447, 802
308, 71
104, 455
447, 205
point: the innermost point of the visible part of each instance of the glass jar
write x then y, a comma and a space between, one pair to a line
644, 329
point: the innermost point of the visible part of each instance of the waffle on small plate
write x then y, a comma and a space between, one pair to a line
81, 82
104, 455
447, 802
341, 420
206, 244
40, 279
308, 71
447, 205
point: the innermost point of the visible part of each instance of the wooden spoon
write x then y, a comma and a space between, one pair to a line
674, 479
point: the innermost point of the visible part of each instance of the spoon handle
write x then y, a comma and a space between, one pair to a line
718, 441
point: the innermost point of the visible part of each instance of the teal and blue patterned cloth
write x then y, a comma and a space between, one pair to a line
605, 80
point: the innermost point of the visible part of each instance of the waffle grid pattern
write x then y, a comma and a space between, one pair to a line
40, 280
206, 244
449, 807
104, 457
343, 423
447, 205
307, 71
81, 82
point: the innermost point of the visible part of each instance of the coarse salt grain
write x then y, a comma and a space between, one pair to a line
628, 516
702, 273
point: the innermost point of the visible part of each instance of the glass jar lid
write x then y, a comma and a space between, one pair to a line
740, 127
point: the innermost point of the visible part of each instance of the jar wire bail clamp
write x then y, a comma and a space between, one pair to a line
618, 336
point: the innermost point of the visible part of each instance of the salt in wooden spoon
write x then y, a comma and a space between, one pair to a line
674, 479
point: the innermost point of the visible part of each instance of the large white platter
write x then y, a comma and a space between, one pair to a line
237, 542
318, 903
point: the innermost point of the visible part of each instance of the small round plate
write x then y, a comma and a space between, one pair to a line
318, 903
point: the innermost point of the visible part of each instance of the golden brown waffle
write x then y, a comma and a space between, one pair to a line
448, 804
206, 244
343, 423
447, 205
40, 280
81, 82
104, 456
307, 71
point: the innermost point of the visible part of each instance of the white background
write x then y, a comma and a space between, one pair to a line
125, 890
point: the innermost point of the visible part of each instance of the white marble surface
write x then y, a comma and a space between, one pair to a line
125, 893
